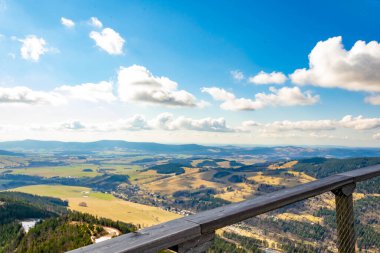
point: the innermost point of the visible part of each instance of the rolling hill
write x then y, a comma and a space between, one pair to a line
268, 153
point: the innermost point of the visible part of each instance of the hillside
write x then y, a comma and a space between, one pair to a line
9, 153
147, 189
56, 228
102, 204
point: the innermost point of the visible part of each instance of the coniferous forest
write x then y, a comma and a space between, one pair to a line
58, 229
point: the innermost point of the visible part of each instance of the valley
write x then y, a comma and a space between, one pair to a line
147, 186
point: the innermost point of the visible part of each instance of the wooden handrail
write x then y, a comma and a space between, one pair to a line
176, 232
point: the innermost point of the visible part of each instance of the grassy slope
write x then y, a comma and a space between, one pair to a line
102, 204
77, 170
59, 171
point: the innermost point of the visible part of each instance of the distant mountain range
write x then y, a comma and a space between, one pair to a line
280, 152
150, 147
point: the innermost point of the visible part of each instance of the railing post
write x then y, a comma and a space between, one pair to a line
345, 218
197, 245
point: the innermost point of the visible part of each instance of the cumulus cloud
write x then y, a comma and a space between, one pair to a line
135, 123
136, 83
73, 125
166, 121
268, 78
95, 22
108, 40
237, 75
348, 121
230, 103
100, 92
32, 48
218, 94
331, 65
287, 96
250, 123
306, 125
376, 136
24, 95
92, 92
359, 122
373, 99
247, 126
67, 22
278, 97
163, 121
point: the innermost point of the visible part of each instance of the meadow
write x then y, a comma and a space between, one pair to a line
78, 170
102, 204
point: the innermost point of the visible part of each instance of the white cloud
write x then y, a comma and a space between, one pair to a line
92, 92
108, 40
306, 125
95, 22
373, 99
134, 123
348, 121
279, 97
73, 125
230, 103
218, 94
330, 65
24, 95
376, 136
250, 123
247, 126
67, 22
268, 78
240, 104
237, 75
136, 83
287, 96
360, 123
32, 48
100, 92
166, 121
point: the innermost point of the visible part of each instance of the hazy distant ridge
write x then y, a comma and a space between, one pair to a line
290, 152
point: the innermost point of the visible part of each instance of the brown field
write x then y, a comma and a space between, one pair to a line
260, 178
287, 165
191, 179
300, 217
225, 164
242, 191
102, 204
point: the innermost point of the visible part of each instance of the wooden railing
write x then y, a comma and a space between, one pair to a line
194, 233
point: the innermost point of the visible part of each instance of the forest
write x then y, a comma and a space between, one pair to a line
58, 229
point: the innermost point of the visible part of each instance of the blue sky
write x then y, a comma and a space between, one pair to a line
187, 71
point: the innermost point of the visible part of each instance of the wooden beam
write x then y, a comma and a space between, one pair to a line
363, 174
177, 232
226, 215
150, 239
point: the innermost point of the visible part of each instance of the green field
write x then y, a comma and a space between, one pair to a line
76, 170
102, 204
59, 171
